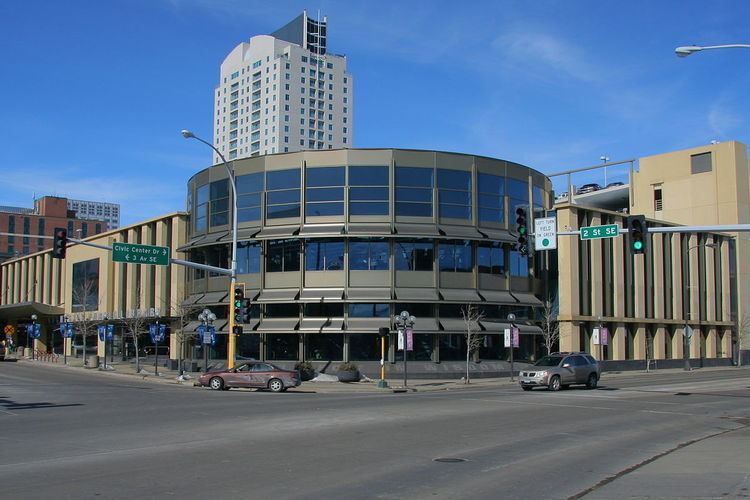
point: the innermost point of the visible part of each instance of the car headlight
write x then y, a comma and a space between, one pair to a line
542, 374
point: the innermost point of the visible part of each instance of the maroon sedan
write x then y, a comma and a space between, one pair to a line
257, 374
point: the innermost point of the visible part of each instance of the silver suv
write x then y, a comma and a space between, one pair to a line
561, 369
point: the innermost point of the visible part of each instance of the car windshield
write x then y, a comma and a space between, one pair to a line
549, 361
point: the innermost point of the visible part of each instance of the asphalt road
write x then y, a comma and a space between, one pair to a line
72, 434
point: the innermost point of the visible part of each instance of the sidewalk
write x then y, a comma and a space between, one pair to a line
166, 376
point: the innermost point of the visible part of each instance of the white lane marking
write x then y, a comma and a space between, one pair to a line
671, 413
505, 401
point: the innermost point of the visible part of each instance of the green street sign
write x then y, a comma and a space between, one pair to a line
596, 232
130, 253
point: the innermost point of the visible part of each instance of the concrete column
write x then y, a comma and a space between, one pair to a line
677, 285
596, 279
677, 341
710, 292
147, 272
30, 279
40, 344
39, 278
174, 340
618, 280
68, 346
712, 341
639, 286
695, 343
55, 286
694, 287
161, 290
17, 280
659, 343
47, 279
4, 286
726, 289
726, 343
617, 342
639, 343
133, 298
657, 247
569, 337
99, 347
24, 281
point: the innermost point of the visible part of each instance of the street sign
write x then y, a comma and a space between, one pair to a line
596, 232
545, 233
131, 253
9, 330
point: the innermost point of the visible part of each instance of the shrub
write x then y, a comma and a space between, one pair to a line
348, 367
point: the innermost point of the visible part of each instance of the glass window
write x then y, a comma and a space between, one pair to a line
372, 199
283, 256
369, 310
414, 191
282, 347
452, 347
324, 347
491, 191
201, 208
219, 191
416, 309
365, 346
282, 200
320, 310
454, 193
249, 194
40, 241
519, 265
413, 255
368, 255
281, 311
248, 257
86, 285
518, 192
324, 255
491, 258
322, 198
455, 256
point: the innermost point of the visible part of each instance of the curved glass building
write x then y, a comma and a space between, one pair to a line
333, 243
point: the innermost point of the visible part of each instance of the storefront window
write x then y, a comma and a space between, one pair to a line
491, 191
519, 264
422, 343
414, 191
455, 256
491, 258
248, 257
452, 347
318, 310
369, 310
365, 346
518, 192
324, 194
249, 194
248, 346
201, 208
282, 347
283, 256
85, 293
282, 193
220, 202
324, 347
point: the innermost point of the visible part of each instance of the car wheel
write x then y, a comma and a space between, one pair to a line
526, 387
276, 385
592, 381
554, 383
216, 383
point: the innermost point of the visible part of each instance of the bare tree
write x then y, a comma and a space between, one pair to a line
85, 302
472, 315
743, 334
550, 326
181, 315
136, 323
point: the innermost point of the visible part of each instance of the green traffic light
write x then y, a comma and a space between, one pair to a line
638, 245
522, 230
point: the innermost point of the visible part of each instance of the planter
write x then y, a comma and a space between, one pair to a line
306, 375
348, 376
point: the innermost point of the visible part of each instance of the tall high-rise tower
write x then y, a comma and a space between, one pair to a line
283, 92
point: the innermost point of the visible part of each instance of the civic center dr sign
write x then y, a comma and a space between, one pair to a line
130, 253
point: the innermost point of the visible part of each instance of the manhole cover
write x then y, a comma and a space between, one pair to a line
449, 460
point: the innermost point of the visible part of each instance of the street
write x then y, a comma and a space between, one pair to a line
67, 433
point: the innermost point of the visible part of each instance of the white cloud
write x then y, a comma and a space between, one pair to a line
722, 121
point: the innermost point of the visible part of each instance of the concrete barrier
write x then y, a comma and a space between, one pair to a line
92, 361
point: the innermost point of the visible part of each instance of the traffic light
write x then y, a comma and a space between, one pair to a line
239, 298
237, 329
637, 231
245, 310
60, 243
523, 230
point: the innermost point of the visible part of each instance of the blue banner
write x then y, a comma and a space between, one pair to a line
157, 332
69, 330
101, 329
110, 332
34, 330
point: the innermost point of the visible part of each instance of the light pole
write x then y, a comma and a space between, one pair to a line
207, 318
512, 319
33, 327
604, 159
232, 341
106, 319
687, 332
404, 322
686, 50
601, 346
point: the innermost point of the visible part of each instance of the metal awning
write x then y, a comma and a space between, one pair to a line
212, 298
213, 238
458, 325
243, 234
368, 293
322, 294
191, 327
279, 325
419, 294
277, 232
190, 244
501, 296
494, 326
368, 229
419, 230
251, 327
322, 324
251, 294
527, 298
426, 325
460, 295
26, 309
279, 295
221, 325
367, 324
322, 230
497, 235
192, 299
460, 231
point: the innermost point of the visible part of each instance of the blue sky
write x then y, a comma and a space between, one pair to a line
94, 93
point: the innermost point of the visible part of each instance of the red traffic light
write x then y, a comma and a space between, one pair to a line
59, 243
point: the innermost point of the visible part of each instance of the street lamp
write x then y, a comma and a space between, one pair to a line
604, 160
686, 50
404, 323
232, 343
687, 332
207, 318
33, 327
512, 319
